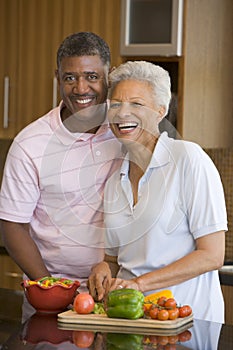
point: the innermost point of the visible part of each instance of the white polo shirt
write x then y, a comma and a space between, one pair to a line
54, 180
180, 198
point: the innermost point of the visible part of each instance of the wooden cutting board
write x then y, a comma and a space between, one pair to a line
71, 317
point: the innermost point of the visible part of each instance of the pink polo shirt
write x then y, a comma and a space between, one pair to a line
54, 179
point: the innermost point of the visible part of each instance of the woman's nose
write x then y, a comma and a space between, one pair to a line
124, 110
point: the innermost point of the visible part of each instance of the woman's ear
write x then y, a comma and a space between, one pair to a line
112, 69
161, 112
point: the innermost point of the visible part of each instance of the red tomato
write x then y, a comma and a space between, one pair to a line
153, 313
170, 303
153, 339
161, 301
83, 339
173, 339
163, 315
173, 313
185, 311
84, 303
146, 309
185, 336
170, 347
162, 339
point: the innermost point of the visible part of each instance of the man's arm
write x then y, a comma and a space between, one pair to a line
23, 249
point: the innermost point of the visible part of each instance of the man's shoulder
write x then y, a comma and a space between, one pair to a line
38, 127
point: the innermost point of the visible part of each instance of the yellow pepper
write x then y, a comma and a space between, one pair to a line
30, 283
153, 298
46, 283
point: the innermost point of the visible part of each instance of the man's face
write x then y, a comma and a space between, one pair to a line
83, 82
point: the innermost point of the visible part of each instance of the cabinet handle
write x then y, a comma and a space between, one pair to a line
54, 92
13, 274
6, 102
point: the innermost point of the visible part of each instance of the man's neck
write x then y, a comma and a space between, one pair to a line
88, 120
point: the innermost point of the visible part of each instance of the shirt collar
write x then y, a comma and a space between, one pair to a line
160, 157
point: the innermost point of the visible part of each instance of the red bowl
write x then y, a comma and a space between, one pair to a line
51, 299
42, 328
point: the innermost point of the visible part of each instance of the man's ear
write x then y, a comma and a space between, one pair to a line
57, 75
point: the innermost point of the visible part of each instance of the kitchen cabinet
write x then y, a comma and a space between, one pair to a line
9, 25
99, 16
30, 32
207, 73
10, 274
227, 291
202, 76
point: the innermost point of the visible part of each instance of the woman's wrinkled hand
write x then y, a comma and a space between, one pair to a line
118, 283
99, 281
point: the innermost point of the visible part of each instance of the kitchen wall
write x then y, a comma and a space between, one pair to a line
223, 159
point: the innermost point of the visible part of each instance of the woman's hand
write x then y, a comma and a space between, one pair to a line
99, 280
118, 283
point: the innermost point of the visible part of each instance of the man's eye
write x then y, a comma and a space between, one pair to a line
93, 77
69, 79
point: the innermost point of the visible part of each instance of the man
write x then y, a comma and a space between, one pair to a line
56, 168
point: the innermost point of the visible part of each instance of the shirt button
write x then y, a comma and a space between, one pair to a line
98, 153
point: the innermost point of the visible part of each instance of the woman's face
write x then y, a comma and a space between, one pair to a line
133, 113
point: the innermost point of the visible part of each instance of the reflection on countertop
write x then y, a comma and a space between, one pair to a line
44, 332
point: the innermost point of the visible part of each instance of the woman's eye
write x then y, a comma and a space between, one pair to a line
137, 104
114, 105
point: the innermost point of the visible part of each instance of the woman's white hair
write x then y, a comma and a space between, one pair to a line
155, 75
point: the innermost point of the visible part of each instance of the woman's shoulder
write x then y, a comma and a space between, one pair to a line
182, 148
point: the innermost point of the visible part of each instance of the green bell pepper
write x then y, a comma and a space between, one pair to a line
125, 303
123, 341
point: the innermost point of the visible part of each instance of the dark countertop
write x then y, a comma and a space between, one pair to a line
43, 332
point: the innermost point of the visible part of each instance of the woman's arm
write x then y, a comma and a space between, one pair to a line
208, 256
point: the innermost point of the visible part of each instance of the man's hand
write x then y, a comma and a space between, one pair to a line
99, 280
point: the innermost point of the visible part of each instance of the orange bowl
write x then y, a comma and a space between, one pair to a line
52, 299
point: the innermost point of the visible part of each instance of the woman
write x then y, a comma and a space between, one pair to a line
165, 211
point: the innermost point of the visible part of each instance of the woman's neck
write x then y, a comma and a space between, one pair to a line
140, 155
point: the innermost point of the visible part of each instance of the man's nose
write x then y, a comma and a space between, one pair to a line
80, 86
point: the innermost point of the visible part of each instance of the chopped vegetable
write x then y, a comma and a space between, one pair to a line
99, 309
50, 281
